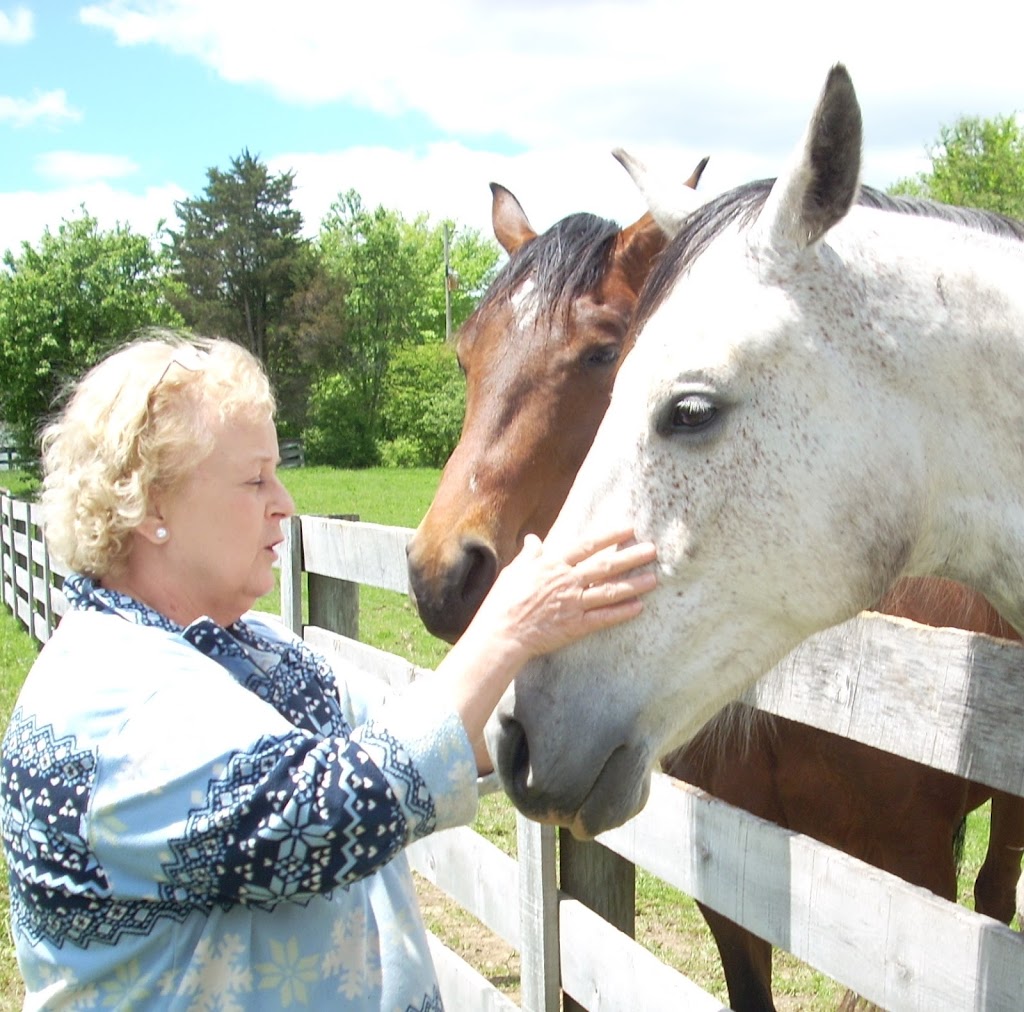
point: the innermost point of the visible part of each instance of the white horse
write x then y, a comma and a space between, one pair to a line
825, 394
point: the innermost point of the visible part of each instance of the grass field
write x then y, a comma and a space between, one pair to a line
667, 922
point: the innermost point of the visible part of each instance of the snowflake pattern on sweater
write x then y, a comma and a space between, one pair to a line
204, 818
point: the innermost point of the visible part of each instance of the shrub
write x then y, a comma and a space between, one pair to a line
338, 432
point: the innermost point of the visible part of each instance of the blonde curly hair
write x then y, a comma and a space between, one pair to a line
138, 423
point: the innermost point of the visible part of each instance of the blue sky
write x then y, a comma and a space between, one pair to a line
124, 104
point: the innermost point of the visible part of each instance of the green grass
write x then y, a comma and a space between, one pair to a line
17, 652
668, 922
20, 484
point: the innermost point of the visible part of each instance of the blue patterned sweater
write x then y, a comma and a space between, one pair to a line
203, 818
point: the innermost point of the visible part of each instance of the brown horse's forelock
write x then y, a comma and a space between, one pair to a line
743, 204
568, 260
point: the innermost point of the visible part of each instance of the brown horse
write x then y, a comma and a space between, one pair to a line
540, 354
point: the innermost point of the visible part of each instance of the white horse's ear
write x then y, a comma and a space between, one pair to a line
511, 226
669, 200
823, 179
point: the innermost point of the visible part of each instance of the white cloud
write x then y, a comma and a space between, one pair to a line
603, 72
564, 81
16, 27
50, 107
82, 167
24, 216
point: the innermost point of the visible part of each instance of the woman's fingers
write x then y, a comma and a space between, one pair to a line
603, 594
586, 549
607, 565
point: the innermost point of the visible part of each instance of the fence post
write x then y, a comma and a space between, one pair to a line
3, 547
30, 575
48, 622
291, 574
334, 604
600, 879
539, 983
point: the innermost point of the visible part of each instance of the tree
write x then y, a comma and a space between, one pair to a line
238, 251
337, 433
424, 404
975, 163
64, 304
389, 275
367, 255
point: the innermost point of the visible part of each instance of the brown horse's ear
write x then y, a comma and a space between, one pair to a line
511, 227
697, 173
636, 249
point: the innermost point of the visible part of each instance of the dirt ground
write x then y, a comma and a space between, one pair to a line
681, 942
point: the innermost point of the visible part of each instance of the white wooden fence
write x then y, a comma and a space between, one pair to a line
29, 581
949, 699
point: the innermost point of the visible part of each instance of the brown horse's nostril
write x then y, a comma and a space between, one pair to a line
448, 601
480, 567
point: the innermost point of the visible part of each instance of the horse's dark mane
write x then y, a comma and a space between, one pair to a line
744, 203
565, 262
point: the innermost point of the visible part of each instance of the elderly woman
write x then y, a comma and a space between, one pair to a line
196, 813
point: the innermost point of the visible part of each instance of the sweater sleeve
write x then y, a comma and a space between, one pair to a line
205, 789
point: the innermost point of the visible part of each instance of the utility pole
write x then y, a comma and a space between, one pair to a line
447, 290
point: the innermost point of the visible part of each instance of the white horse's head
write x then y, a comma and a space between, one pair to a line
764, 434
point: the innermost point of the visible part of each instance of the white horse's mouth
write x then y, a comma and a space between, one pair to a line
552, 795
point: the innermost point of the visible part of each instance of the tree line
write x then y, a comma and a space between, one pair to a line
350, 324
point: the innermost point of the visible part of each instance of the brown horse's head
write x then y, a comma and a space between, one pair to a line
539, 355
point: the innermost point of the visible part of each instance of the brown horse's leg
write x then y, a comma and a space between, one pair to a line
996, 883
854, 1003
747, 962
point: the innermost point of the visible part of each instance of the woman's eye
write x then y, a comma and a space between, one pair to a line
693, 412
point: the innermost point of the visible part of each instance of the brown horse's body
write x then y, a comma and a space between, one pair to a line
539, 378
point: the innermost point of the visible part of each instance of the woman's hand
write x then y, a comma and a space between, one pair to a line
546, 599
543, 600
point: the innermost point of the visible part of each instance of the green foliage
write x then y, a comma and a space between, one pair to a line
338, 433
399, 452
385, 288
424, 404
381, 271
976, 163
66, 302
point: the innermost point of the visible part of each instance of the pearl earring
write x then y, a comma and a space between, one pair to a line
161, 533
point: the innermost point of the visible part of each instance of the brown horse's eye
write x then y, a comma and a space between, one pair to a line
603, 355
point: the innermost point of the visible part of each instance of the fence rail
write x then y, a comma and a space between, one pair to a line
872, 679
292, 452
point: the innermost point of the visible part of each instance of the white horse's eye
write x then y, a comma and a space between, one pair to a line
692, 412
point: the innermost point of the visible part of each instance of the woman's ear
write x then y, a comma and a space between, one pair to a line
153, 529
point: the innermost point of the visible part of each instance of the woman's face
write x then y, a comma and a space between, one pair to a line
223, 525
